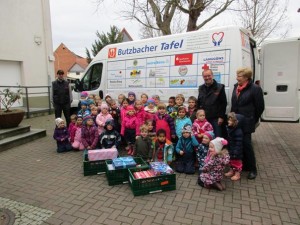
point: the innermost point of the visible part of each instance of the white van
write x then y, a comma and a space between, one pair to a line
170, 65
280, 79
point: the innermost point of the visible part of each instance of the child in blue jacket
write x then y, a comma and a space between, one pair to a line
185, 151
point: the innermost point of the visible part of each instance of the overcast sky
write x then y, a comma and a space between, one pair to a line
75, 23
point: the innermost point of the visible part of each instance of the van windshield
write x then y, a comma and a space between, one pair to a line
92, 78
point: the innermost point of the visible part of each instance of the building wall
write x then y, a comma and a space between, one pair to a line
26, 39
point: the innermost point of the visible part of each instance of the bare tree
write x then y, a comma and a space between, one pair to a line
162, 15
264, 18
194, 8
177, 25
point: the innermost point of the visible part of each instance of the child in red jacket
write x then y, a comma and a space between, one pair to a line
128, 127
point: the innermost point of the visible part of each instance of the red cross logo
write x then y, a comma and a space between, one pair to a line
205, 67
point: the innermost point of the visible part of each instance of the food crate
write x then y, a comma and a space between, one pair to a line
120, 176
152, 184
92, 167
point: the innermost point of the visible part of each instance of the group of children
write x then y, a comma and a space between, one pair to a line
149, 129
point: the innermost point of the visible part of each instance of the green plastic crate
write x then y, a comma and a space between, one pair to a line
152, 184
92, 167
120, 176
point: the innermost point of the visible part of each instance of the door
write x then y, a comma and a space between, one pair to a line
280, 78
10, 75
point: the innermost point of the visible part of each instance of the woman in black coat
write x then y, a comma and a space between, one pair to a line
247, 100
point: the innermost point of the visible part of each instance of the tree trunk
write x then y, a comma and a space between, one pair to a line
193, 18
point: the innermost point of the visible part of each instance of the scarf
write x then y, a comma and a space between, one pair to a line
240, 88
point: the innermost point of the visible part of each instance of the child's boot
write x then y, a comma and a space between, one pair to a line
236, 176
230, 173
130, 151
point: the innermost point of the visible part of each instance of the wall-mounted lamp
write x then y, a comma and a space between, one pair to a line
37, 40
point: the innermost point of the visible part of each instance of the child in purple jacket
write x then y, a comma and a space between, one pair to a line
61, 135
89, 133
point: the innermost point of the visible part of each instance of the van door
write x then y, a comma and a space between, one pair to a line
280, 78
92, 80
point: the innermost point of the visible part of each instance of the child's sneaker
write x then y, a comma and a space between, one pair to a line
229, 173
236, 176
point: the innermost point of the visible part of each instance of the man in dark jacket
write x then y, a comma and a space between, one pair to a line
212, 99
61, 96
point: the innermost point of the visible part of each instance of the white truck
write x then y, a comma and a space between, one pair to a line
280, 79
170, 65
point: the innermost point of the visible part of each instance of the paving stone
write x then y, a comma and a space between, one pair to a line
54, 182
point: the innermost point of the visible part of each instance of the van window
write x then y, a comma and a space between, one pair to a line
92, 78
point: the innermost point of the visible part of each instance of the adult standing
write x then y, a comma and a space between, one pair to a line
247, 100
61, 96
212, 99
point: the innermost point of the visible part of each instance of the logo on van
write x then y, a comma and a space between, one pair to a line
112, 52
217, 38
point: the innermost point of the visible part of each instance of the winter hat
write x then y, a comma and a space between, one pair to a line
209, 134
86, 118
90, 101
130, 107
131, 93
187, 128
58, 121
109, 122
219, 143
84, 94
104, 106
84, 103
151, 100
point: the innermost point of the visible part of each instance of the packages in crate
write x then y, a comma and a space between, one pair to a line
124, 162
102, 154
151, 185
120, 176
161, 168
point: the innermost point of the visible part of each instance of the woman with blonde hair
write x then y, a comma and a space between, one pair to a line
247, 100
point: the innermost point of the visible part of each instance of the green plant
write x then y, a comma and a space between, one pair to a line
8, 98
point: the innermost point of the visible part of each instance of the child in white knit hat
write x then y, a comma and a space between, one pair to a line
214, 164
61, 135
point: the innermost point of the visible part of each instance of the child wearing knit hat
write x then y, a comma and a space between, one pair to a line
61, 135
185, 151
84, 111
202, 150
214, 164
102, 117
131, 97
89, 133
150, 109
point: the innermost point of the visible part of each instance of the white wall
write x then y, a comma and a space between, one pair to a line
26, 38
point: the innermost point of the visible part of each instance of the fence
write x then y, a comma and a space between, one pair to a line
35, 99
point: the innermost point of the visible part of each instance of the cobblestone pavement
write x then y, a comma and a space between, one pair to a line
35, 176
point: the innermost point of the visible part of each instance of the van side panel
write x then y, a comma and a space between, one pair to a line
173, 64
280, 80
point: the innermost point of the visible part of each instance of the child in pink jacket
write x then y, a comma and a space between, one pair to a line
102, 117
141, 116
128, 128
76, 135
201, 125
